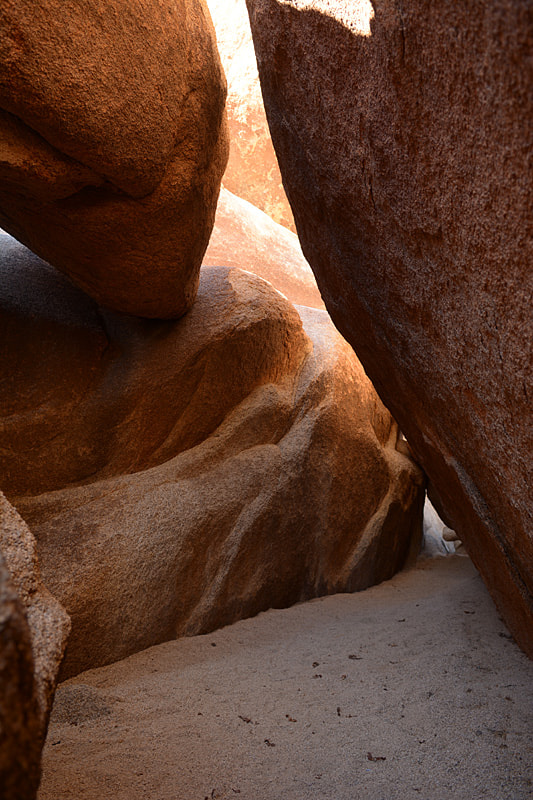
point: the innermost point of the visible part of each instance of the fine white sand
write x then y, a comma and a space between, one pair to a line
411, 689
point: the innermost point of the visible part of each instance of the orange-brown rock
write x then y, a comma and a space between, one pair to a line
86, 394
230, 461
33, 633
247, 238
403, 132
113, 143
252, 172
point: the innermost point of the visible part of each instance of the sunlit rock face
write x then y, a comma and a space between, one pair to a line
252, 171
402, 132
33, 633
179, 476
113, 144
248, 238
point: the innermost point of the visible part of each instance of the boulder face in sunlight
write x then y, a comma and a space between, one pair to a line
252, 172
402, 147
184, 475
113, 139
245, 237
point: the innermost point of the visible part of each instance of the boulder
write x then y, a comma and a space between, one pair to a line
403, 133
113, 143
86, 394
182, 475
252, 172
247, 238
33, 633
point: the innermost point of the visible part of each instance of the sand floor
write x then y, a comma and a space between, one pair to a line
411, 689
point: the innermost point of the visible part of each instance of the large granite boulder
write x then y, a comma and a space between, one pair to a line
33, 633
113, 144
182, 475
404, 134
252, 172
246, 237
86, 394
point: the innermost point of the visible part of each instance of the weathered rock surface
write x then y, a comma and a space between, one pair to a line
229, 462
33, 632
247, 238
113, 143
403, 132
252, 172
87, 394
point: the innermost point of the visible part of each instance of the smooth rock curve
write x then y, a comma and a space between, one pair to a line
217, 466
113, 144
246, 237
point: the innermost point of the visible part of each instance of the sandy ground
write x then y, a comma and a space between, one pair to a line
411, 689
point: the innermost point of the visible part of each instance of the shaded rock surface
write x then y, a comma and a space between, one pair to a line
403, 133
248, 238
232, 461
33, 633
113, 143
87, 394
252, 172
